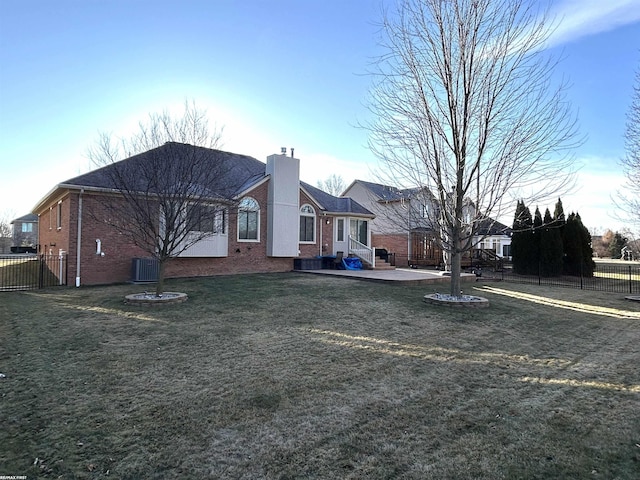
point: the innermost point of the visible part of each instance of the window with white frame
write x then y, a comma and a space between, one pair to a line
307, 224
220, 221
340, 230
249, 220
59, 216
207, 219
27, 227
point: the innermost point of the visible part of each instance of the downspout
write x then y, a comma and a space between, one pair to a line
321, 218
79, 239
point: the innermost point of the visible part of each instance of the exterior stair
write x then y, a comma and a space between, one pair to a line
383, 265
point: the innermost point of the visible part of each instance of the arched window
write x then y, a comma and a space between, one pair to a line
249, 220
307, 224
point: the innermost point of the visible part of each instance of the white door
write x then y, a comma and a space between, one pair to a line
340, 236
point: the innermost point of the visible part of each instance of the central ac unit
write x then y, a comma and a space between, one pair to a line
144, 270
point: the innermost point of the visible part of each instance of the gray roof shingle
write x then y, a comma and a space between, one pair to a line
242, 171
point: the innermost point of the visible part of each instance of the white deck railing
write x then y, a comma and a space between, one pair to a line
364, 253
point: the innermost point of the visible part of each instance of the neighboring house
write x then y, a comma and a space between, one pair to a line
402, 226
5, 244
276, 218
627, 253
25, 234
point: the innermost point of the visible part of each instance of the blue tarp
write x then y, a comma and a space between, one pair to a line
352, 263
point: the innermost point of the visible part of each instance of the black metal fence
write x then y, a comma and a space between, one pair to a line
31, 272
606, 278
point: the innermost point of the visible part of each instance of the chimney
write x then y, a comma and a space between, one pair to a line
283, 205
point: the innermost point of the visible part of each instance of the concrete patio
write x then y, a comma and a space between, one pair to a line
406, 276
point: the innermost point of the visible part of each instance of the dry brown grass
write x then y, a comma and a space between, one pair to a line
296, 376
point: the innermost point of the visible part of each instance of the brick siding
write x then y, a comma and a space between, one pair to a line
393, 243
115, 265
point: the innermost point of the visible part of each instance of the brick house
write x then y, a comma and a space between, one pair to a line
271, 218
25, 234
401, 225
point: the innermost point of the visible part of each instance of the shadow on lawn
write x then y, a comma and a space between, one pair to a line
552, 302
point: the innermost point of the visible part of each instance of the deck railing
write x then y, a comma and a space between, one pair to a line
360, 250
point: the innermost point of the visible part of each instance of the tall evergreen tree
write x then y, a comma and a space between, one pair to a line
571, 246
588, 265
558, 214
522, 226
578, 254
533, 257
559, 218
550, 247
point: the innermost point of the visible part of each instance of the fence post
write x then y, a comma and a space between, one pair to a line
539, 272
630, 280
41, 262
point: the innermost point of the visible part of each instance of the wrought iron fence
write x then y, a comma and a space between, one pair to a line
31, 272
606, 278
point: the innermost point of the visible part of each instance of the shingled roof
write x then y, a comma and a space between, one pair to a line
243, 170
388, 193
241, 173
489, 226
335, 204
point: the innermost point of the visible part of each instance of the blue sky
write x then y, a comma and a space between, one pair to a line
274, 73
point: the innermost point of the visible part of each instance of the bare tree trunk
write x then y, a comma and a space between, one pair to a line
456, 266
160, 283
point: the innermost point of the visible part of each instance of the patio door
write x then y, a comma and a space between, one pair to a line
359, 230
340, 243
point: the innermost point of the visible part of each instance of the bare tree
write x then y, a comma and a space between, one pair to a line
629, 201
463, 109
6, 232
175, 189
333, 184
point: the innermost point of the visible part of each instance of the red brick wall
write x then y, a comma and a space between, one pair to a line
393, 243
115, 265
118, 250
327, 235
53, 240
50, 239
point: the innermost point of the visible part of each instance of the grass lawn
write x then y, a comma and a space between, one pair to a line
18, 271
299, 376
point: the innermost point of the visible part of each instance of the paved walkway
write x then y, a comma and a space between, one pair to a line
406, 276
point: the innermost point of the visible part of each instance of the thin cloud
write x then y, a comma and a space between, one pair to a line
580, 18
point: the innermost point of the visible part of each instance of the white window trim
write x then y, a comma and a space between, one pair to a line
248, 240
308, 215
217, 222
344, 229
59, 216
